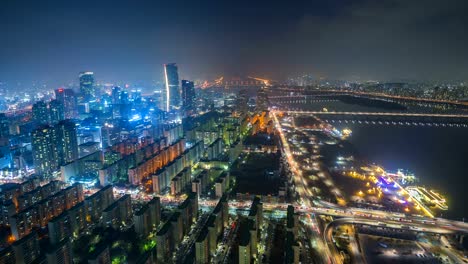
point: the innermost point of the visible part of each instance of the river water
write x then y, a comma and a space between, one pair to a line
438, 156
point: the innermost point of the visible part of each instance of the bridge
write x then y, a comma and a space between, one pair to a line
301, 91
394, 117
377, 114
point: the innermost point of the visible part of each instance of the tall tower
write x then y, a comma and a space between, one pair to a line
68, 99
242, 99
87, 87
67, 145
188, 96
116, 95
56, 111
172, 93
262, 100
44, 150
4, 130
40, 112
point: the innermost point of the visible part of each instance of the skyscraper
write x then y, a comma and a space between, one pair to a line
125, 107
242, 99
56, 112
116, 95
188, 96
262, 100
87, 88
40, 113
67, 98
172, 93
53, 146
4, 126
44, 149
67, 145
4, 130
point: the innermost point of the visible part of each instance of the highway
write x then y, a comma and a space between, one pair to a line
335, 210
427, 228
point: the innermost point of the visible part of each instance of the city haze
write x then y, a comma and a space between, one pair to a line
52, 41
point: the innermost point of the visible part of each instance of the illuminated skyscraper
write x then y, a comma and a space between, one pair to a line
56, 112
125, 107
44, 149
116, 95
67, 145
40, 112
4, 126
53, 146
188, 96
87, 87
262, 100
67, 98
242, 99
172, 93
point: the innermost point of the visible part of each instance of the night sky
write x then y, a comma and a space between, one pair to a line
130, 40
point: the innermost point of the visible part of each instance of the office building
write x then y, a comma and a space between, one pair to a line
188, 97
242, 100
4, 128
116, 95
87, 86
40, 113
262, 100
67, 98
172, 93
56, 112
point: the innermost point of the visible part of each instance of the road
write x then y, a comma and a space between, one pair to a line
413, 226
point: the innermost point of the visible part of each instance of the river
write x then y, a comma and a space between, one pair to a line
438, 156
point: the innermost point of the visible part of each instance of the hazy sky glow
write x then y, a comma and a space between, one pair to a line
53, 40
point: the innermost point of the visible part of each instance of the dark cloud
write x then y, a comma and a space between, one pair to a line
53, 40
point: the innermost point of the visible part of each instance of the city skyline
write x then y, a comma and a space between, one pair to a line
243, 132
391, 39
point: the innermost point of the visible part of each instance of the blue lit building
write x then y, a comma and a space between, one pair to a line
87, 87
172, 93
